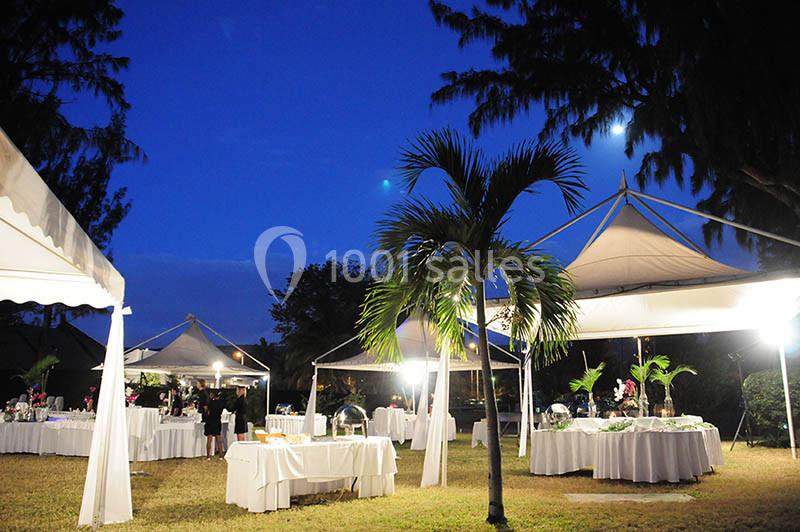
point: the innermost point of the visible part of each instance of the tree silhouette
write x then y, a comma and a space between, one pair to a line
715, 83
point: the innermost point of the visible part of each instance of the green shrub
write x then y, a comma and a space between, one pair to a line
764, 393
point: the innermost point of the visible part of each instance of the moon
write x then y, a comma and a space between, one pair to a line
617, 129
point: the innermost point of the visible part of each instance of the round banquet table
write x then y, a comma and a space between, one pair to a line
294, 424
561, 451
650, 456
411, 419
389, 423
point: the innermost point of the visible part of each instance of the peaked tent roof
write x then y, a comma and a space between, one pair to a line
191, 353
416, 338
634, 280
632, 252
53, 259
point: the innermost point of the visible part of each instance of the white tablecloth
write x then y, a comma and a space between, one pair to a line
412, 418
74, 438
650, 422
650, 456
263, 477
294, 424
390, 423
557, 452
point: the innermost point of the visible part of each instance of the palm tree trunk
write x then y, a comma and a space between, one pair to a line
496, 511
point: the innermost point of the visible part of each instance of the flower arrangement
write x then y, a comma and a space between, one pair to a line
130, 396
88, 399
625, 394
586, 383
38, 400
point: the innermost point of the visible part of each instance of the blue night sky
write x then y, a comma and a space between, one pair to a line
260, 114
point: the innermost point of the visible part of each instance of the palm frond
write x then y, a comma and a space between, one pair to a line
642, 372
527, 165
541, 295
448, 151
34, 374
666, 377
588, 380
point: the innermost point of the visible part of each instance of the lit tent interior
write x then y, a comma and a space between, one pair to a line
417, 339
632, 279
54, 261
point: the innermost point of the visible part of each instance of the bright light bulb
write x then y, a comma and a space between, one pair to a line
472, 345
413, 371
776, 333
617, 129
217, 366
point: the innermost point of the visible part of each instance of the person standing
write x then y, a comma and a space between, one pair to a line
202, 399
240, 411
177, 403
213, 424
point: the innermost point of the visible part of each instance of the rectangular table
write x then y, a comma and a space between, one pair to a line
294, 424
262, 477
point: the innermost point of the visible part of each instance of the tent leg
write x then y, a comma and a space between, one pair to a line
789, 421
446, 420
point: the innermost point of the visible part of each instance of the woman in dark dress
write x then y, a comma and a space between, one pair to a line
177, 403
240, 410
213, 426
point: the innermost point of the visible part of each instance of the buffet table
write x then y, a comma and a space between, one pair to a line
263, 476
294, 424
649, 450
148, 438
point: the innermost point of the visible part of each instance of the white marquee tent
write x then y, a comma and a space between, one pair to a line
632, 279
193, 354
48, 259
417, 339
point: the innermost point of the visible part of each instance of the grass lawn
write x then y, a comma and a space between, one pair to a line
757, 488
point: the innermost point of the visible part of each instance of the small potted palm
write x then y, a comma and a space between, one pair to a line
586, 384
665, 378
642, 373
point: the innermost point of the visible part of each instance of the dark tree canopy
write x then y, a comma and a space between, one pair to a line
715, 83
320, 314
51, 56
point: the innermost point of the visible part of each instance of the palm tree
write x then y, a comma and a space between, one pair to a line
666, 377
586, 383
464, 239
642, 372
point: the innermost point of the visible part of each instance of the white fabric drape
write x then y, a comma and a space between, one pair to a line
311, 408
421, 423
437, 433
523, 426
107, 490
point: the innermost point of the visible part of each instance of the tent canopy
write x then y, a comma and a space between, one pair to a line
192, 353
53, 259
635, 280
47, 258
416, 338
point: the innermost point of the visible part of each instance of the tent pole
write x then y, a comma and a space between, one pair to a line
575, 220
784, 376
603, 221
446, 417
675, 229
737, 225
413, 398
251, 357
156, 337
